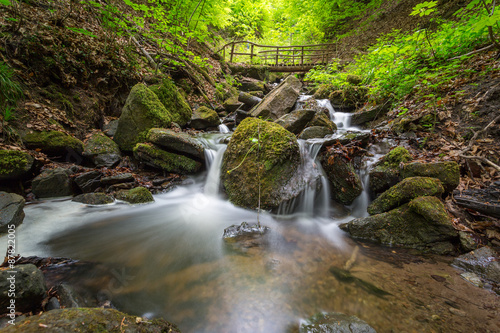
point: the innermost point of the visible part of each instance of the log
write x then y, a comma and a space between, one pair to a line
486, 201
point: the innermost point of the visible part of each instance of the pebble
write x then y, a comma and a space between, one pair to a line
457, 312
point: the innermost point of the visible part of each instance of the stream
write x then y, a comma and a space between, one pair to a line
168, 259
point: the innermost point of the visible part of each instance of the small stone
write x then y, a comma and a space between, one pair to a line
116, 179
472, 278
457, 312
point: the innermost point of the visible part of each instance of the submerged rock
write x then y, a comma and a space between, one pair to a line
296, 121
135, 196
90, 320
177, 142
404, 191
142, 111
204, 117
14, 164
53, 143
275, 163
53, 183
335, 323
103, 151
423, 224
173, 101
484, 262
11, 210
94, 198
156, 157
241, 237
447, 172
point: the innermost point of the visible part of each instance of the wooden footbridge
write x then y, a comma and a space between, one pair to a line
293, 58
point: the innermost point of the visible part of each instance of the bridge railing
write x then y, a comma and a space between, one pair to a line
293, 55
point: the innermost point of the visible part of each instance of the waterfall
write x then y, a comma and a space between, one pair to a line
223, 129
214, 152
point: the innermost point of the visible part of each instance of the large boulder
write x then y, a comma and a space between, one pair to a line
204, 117
142, 111
423, 223
158, 158
249, 84
279, 101
173, 101
296, 121
483, 261
404, 191
345, 184
53, 183
28, 285
53, 143
386, 172
367, 114
322, 119
177, 142
447, 172
103, 151
14, 164
90, 320
11, 210
245, 166
136, 195
335, 323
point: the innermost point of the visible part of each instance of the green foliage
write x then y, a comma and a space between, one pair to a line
5, 2
10, 92
424, 8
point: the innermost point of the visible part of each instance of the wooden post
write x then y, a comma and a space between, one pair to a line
232, 51
302, 57
251, 54
277, 55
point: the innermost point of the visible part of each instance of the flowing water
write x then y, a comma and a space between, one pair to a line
168, 259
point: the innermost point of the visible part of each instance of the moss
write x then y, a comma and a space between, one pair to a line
396, 156
173, 101
98, 144
447, 172
431, 208
405, 191
355, 80
12, 161
52, 142
323, 91
170, 162
135, 196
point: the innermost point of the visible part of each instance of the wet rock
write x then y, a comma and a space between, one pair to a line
473, 278
94, 198
142, 111
386, 173
53, 143
90, 320
279, 101
447, 172
70, 298
345, 184
110, 128
88, 181
486, 201
232, 104
29, 288
296, 121
52, 183
136, 195
173, 101
335, 323
322, 120
244, 236
423, 224
204, 118
52, 304
158, 158
116, 179
11, 210
360, 138
248, 99
14, 164
367, 114
240, 115
277, 162
404, 191
469, 241
103, 151
314, 132
484, 262
249, 84
177, 142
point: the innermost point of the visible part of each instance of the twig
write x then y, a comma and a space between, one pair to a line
482, 159
473, 52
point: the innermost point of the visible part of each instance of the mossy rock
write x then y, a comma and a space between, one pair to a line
103, 151
89, 320
323, 91
14, 164
314, 132
136, 195
174, 102
423, 224
53, 142
387, 172
94, 199
447, 172
53, 183
296, 121
30, 288
143, 110
354, 80
322, 120
156, 157
349, 97
176, 142
404, 191
232, 104
275, 164
397, 156
204, 117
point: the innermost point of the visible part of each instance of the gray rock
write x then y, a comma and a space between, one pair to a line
447, 172
29, 288
117, 179
110, 128
323, 120
53, 183
296, 121
314, 132
88, 181
335, 323
158, 158
248, 84
232, 104
204, 118
362, 137
14, 164
279, 101
240, 238
103, 151
11, 210
94, 198
248, 99
468, 241
176, 142
484, 262
368, 114
52, 304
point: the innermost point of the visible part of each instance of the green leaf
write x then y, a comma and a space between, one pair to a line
5, 2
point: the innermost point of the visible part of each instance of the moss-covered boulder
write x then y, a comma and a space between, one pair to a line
404, 191
53, 183
89, 320
231, 104
204, 118
94, 199
249, 84
447, 172
314, 132
11, 210
345, 184
172, 100
103, 151
386, 172
143, 110
423, 223
136, 195
177, 142
14, 164
275, 164
53, 142
323, 91
158, 158
349, 97
296, 121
